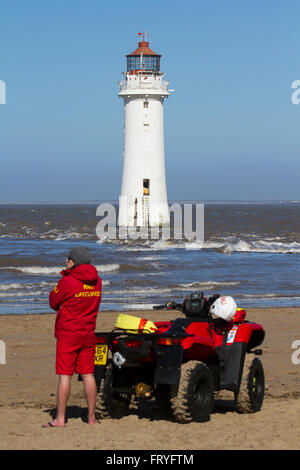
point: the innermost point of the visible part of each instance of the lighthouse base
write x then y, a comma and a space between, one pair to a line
144, 211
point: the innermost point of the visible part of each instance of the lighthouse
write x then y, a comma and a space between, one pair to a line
143, 200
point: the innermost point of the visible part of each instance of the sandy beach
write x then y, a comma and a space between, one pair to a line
28, 396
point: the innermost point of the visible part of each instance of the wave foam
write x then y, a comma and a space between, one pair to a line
267, 295
142, 291
5, 287
26, 286
104, 268
41, 270
34, 269
254, 244
19, 294
137, 306
208, 284
261, 246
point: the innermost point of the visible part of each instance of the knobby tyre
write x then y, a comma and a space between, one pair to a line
110, 404
195, 397
250, 397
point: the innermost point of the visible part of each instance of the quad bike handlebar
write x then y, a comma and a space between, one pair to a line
169, 306
193, 305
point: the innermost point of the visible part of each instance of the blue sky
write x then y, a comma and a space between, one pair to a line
231, 130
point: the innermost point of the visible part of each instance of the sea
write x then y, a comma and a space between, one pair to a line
251, 251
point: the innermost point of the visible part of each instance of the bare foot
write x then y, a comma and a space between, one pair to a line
93, 421
53, 424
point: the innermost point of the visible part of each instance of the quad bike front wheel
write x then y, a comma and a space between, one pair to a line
250, 397
195, 397
110, 404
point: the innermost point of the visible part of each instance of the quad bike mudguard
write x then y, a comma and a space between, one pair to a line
232, 353
168, 364
231, 359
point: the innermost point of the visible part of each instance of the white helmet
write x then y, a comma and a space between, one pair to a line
224, 307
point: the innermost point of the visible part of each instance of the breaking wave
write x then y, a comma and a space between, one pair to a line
267, 295
105, 268
208, 284
14, 286
36, 270
137, 306
224, 245
44, 271
262, 246
19, 294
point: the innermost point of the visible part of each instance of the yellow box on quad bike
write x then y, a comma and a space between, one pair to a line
135, 325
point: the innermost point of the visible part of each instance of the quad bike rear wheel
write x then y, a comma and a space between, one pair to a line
250, 397
195, 397
110, 404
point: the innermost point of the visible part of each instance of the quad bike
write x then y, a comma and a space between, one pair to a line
183, 364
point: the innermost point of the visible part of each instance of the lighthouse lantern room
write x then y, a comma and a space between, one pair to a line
143, 200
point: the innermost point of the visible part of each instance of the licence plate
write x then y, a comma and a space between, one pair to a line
101, 354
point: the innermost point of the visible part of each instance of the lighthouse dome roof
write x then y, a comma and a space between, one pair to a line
143, 49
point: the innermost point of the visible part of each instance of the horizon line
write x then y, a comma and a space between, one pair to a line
116, 201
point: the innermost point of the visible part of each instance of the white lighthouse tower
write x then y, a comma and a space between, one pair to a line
143, 200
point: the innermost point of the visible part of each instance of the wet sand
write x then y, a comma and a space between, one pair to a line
28, 396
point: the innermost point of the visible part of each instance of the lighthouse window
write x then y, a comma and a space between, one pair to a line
140, 62
146, 104
146, 187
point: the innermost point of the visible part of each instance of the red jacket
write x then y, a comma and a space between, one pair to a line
76, 298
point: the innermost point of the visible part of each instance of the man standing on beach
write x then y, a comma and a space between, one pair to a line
76, 298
